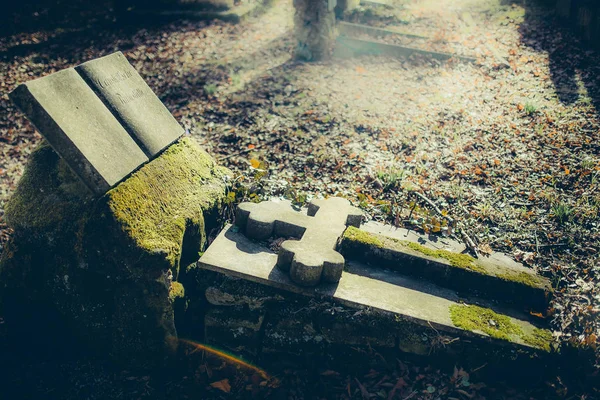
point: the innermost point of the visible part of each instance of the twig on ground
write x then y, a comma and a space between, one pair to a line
469, 242
435, 207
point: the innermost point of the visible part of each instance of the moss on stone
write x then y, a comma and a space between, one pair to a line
103, 264
49, 196
459, 260
356, 235
157, 203
475, 318
480, 319
176, 291
523, 278
540, 338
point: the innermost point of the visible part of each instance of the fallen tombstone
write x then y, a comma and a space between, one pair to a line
101, 233
349, 46
398, 291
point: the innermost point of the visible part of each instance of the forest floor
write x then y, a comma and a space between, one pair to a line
508, 146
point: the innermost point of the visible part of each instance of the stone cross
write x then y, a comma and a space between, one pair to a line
100, 117
312, 258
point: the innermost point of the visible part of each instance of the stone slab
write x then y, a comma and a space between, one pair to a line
360, 287
351, 47
132, 101
349, 28
67, 112
442, 261
438, 243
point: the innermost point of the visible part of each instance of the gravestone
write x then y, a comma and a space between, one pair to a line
105, 267
101, 117
398, 290
134, 104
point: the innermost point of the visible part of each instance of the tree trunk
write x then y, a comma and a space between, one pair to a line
315, 29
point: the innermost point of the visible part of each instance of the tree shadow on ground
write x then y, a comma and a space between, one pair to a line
26, 16
572, 63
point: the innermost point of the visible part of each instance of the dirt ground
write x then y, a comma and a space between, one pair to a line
508, 147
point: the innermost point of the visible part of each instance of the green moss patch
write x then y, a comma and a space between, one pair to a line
176, 291
480, 319
540, 338
157, 203
356, 235
523, 278
459, 260
49, 196
475, 318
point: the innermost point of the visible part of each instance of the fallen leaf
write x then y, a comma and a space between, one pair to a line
222, 385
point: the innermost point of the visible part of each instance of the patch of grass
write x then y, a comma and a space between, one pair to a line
475, 318
530, 108
390, 179
210, 89
562, 212
588, 163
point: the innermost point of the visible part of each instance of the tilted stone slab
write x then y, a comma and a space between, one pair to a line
412, 303
132, 101
313, 257
67, 112
352, 47
443, 262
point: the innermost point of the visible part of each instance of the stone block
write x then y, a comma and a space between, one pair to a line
291, 329
101, 117
235, 328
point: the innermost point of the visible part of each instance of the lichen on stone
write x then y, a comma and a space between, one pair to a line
459, 260
176, 291
49, 196
109, 266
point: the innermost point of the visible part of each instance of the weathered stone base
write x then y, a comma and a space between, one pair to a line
274, 326
107, 270
262, 313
